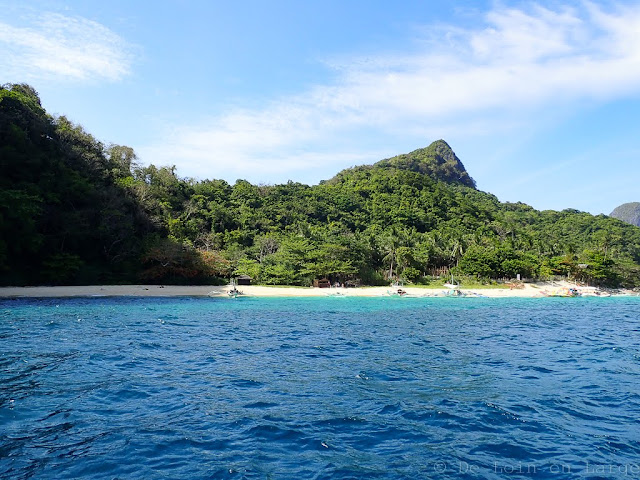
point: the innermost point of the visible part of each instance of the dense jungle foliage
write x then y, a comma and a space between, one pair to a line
75, 211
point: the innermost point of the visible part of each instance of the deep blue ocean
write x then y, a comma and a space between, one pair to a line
319, 388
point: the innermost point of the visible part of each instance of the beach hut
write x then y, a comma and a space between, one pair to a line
322, 283
243, 280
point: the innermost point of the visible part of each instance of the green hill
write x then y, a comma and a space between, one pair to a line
64, 215
437, 161
73, 210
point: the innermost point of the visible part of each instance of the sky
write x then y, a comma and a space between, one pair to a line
540, 100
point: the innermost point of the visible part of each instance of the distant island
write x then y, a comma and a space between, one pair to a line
74, 211
628, 212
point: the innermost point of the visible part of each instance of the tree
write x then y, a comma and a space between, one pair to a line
167, 260
72, 205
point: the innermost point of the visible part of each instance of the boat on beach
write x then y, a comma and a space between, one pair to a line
233, 291
562, 292
337, 294
453, 289
399, 292
454, 292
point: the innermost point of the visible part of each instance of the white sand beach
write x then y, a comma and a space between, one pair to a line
528, 290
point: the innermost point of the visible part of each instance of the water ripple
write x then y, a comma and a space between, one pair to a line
134, 388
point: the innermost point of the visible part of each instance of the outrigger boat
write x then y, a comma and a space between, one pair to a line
336, 294
397, 291
454, 292
234, 292
563, 292
453, 289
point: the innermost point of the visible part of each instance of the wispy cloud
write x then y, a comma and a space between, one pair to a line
55, 46
517, 62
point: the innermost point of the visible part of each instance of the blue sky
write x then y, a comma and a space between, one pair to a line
541, 101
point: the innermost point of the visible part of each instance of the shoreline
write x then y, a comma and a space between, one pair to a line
530, 290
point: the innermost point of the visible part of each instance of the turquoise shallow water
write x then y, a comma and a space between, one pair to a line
319, 388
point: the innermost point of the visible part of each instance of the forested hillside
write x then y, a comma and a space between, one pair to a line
73, 210
64, 214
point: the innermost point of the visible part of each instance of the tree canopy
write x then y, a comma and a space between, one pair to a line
73, 210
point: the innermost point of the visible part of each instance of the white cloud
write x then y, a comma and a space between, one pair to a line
65, 48
520, 61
